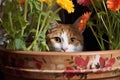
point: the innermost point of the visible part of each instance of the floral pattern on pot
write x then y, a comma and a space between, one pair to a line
88, 64
84, 65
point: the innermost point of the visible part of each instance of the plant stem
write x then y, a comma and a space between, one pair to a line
25, 16
11, 24
51, 17
37, 30
1, 20
25, 10
44, 21
96, 38
109, 25
39, 19
31, 45
57, 10
104, 24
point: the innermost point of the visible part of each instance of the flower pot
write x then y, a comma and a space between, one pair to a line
30, 65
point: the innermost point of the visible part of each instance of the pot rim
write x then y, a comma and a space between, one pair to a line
60, 53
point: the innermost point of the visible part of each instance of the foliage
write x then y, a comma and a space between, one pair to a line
105, 22
26, 21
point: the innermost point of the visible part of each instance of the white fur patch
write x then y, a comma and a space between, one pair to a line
64, 39
65, 45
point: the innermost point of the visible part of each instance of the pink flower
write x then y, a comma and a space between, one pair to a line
84, 2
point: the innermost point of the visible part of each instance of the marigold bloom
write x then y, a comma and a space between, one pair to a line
113, 4
21, 1
84, 2
66, 4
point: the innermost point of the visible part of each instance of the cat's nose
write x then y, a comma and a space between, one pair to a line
64, 49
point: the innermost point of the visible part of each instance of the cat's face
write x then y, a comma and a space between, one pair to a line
65, 38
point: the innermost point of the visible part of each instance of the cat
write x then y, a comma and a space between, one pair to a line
67, 37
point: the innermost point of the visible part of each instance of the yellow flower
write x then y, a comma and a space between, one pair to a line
66, 4
44, 0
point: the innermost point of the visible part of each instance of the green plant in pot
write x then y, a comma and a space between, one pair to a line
26, 21
105, 23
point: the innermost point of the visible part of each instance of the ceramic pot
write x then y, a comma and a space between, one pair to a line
30, 65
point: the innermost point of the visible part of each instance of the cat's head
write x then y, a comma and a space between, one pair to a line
66, 37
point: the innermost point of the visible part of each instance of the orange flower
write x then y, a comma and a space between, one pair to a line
83, 21
21, 1
113, 4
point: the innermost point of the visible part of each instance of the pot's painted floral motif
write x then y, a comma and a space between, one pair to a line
38, 63
70, 69
86, 65
105, 62
80, 62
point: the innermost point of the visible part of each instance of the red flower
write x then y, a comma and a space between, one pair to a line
113, 4
81, 62
84, 2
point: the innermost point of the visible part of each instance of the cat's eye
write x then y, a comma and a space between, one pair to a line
73, 39
57, 39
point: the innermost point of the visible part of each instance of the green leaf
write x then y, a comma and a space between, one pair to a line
36, 48
31, 6
20, 44
90, 23
44, 46
100, 14
57, 17
37, 5
23, 23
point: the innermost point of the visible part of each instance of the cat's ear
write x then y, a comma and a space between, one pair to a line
81, 22
54, 24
